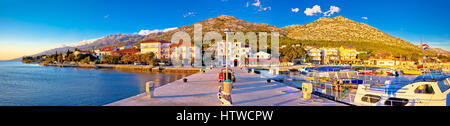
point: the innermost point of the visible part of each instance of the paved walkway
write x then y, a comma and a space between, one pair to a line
201, 90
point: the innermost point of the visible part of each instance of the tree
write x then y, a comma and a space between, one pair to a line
59, 59
363, 56
290, 53
148, 58
86, 60
126, 59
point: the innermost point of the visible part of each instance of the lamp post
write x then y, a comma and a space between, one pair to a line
227, 32
226, 94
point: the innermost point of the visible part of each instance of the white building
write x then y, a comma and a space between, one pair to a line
237, 53
315, 55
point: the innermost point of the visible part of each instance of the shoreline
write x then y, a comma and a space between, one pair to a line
138, 68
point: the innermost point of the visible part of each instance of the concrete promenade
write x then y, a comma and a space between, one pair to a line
202, 88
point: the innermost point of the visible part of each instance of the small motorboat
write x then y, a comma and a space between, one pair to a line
365, 72
411, 72
392, 73
303, 70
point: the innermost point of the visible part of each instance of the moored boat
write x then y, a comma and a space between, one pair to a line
365, 72
422, 91
411, 72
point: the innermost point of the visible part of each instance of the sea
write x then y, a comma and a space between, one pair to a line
34, 85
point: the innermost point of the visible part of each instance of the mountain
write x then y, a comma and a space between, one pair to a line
437, 50
111, 40
84, 42
222, 22
340, 31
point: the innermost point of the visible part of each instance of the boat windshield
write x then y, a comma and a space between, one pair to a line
444, 85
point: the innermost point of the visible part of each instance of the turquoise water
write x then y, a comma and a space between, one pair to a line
33, 85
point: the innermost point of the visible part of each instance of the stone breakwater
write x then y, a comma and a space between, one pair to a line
141, 68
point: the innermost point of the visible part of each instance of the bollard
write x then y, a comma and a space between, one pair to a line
149, 88
307, 90
185, 80
225, 94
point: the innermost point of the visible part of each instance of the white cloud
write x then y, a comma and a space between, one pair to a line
316, 9
106, 16
257, 3
265, 8
333, 9
365, 18
189, 14
295, 10
311, 11
147, 32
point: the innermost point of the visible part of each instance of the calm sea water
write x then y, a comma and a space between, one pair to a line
33, 85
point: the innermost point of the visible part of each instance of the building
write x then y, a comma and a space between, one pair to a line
105, 51
330, 55
179, 51
125, 47
315, 55
384, 62
128, 51
347, 54
78, 52
160, 48
238, 53
307, 48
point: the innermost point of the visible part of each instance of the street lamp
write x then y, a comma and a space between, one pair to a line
227, 32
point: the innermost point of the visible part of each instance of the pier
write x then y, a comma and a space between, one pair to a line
201, 90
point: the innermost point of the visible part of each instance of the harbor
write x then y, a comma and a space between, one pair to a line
201, 89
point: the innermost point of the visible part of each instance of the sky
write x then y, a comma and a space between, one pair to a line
30, 26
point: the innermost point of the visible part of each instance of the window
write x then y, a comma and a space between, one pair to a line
424, 89
444, 85
370, 98
396, 102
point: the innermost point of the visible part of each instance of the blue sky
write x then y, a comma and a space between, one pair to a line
28, 27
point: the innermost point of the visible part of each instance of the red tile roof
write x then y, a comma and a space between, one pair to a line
107, 49
128, 51
176, 45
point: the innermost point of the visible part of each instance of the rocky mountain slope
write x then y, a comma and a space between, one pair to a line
342, 29
222, 22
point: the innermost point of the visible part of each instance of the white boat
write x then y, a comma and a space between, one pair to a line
303, 70
428, 91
